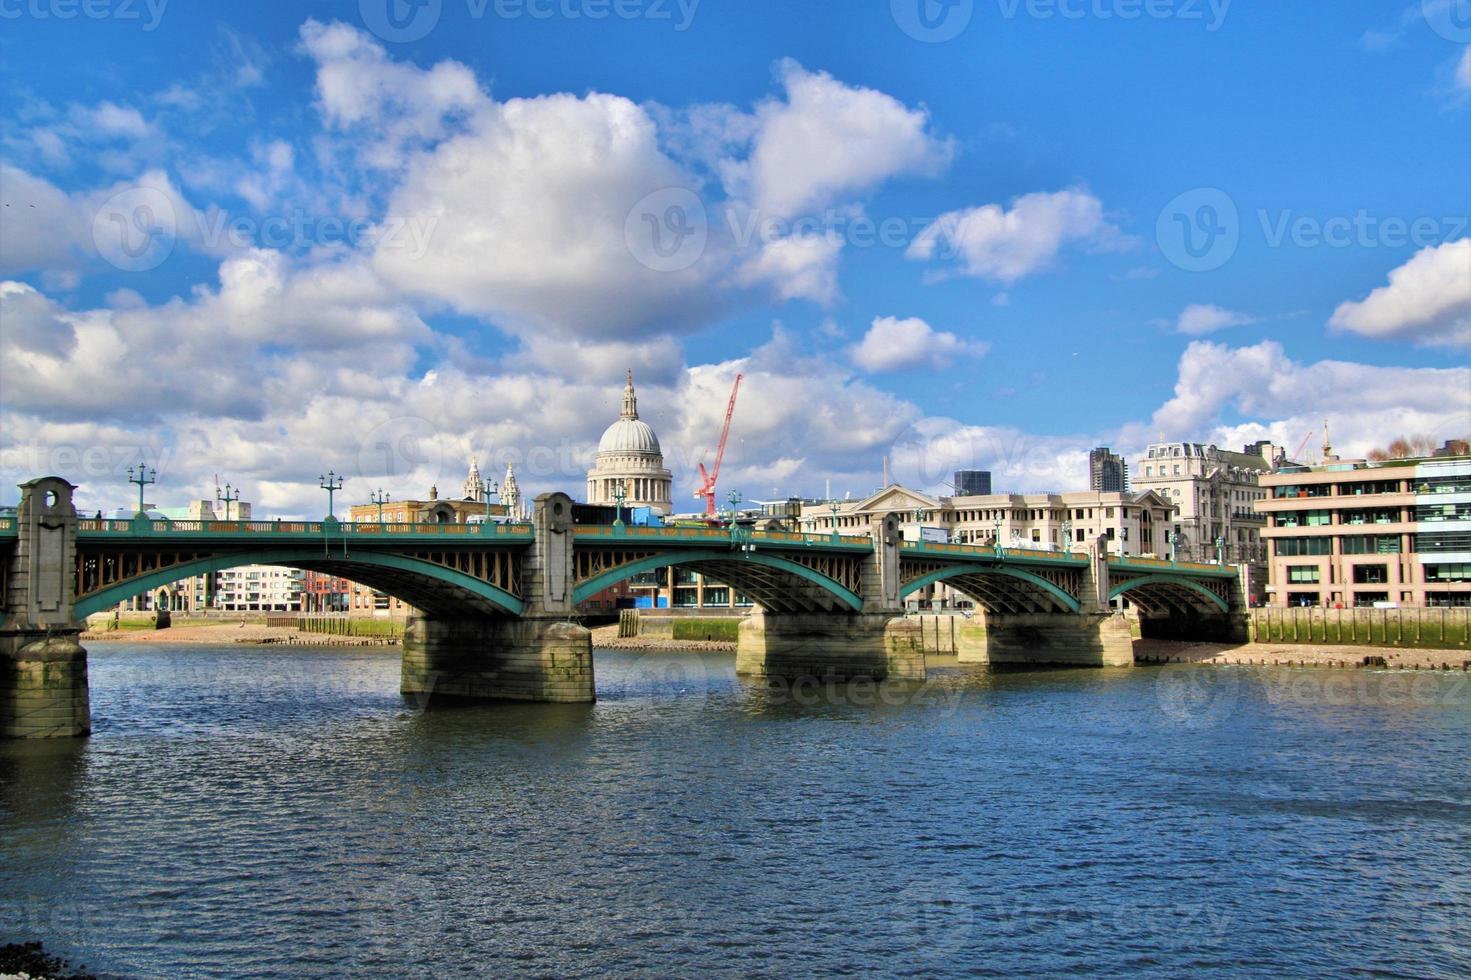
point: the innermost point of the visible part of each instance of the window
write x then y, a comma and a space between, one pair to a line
1441, 541
1383, 544
1443, 512
1448, 573
1371, 574
1302, 547
1304, 575
1371, 487
1444, 484
1362, 599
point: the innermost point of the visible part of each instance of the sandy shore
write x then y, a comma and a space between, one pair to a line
228, 634
1297, 654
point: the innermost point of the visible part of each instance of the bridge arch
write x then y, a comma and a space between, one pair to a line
1165, 593
999, 589
424, 585
774, 582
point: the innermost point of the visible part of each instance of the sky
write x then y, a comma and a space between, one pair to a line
252, 242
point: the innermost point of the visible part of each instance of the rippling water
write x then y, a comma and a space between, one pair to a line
286, 813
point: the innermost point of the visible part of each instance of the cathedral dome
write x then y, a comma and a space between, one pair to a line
629, 436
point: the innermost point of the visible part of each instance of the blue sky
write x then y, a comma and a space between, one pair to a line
1035, 298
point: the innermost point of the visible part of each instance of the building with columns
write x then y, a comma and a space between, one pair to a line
1215, 492
629, 457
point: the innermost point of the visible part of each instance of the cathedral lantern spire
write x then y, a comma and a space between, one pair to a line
630, 399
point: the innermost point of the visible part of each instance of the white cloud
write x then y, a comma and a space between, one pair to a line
828, 140
1219, 385
110, 121
795, 268
1005, 246
529, 209
360, 88
1428, 300
1200, 319
892, 344
43, 225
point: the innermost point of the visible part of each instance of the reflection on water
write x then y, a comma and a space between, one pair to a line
286, 813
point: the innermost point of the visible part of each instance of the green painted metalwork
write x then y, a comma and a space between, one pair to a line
1184, 583
1158, 565
106, 598
720, 536
265, 532
987, 553
1068, 601
607, 579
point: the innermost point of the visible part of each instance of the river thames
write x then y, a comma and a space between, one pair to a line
275, 813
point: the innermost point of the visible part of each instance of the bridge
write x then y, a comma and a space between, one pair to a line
498, 602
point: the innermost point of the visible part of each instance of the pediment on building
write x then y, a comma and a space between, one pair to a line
898, 498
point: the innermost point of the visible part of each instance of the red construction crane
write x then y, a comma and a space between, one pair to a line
708, 480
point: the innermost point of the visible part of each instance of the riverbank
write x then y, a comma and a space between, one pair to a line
1298, 655
607, 638
235, 633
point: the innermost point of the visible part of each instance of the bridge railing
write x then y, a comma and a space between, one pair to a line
716, 535
1165, 565
256, 529
990, 551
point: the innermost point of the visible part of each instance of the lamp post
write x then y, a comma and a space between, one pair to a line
1067, 537
330, 483
738, 537
380, 498
1220, 551
996, 536
1174, 546
227, 498
619, 495
491, 488
833, 506
144, 478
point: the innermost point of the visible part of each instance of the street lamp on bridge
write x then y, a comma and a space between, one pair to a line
144, 478
1067, 537
380, 498
619, 495
226, 499
330, 483
1220, 551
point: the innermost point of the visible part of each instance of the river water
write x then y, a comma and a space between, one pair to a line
255, 812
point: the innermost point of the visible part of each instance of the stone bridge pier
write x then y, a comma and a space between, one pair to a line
539, 656
875, 643
1092, 637
43, 666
